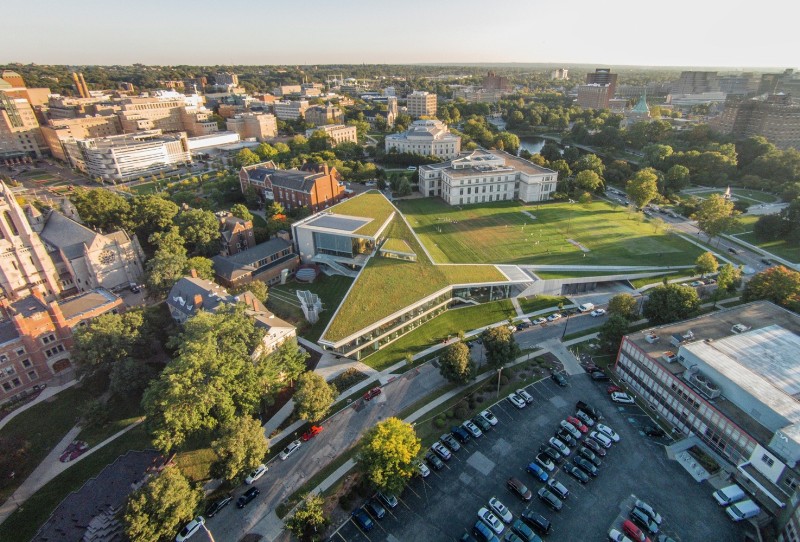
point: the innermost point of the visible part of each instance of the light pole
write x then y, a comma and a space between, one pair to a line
565, 326
499, 372
210, 536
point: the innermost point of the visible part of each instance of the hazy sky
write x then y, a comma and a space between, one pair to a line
615, 32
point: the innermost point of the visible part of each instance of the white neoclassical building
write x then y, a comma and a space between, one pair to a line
426, 137
484, 176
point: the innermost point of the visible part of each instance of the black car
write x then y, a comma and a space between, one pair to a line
559, 379
595, 447
591, 411
218, 505
654, 431
564, 436
599, 376
460, 433
482, 424
538, 522
585, 465
590, 455
434, 461
247, 496
450, 442
551, 452
375, 509
576, 472
550, 499
519, 488
766, 261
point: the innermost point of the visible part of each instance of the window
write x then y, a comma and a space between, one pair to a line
32, 375
20, 351
767, 460
26, 363
791, 483
48, 339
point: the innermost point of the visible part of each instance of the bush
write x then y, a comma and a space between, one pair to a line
450, 414
348, 379
440, 422
461, 412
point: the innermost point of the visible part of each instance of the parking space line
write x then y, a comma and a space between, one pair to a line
412, 491
340, 534
359, 530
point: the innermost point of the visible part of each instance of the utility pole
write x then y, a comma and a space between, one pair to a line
499, 372
565, 326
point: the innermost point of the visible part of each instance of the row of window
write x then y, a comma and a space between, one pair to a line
53, 351
500, 188
16, 382
18, 351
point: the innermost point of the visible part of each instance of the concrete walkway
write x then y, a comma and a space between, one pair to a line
46, 394
51, 467
567, 358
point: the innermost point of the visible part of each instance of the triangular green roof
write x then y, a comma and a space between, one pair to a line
641, 106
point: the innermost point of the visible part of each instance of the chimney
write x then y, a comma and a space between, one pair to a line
198, 301
193, 273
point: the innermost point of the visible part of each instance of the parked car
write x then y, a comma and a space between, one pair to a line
558, 488
559, 379
598, 312
696, 283
545, 462
595, 447
362, 519
434, 461
647, 509
481, 422
607, 431
576, 472
500, 510
564, 436
516, 400
538, 522
537, 471
448, 440
553, 317
552, 453
520, 489
560, 446
549, 498
491, 520
585, 418
472, 429
371, 394
489, 417
612, 388
623, 398
640, 518
423, 469
601, 438
522, 533
439, 449
312, 432
654, 431
525, 396
256, 474
190, 529
578, 424
599, 376
387, 499
588, 409
585, 465
590, 455
571, 429
616, 536
247, 496
214, 508
539, 321
290, 449
461, 434
375, 509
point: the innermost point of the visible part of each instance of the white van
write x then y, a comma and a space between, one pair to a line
729, 495
743, 510
586, 307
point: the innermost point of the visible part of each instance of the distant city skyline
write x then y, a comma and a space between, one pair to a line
616, 32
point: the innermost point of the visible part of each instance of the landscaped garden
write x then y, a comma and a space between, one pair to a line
511, 232
283, 302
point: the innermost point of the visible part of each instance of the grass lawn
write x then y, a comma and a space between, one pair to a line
259, 222
749, 196
386, 285
371, 204
24, 523
444, 325
540, 302
122, 412
147, 188
502, 232
658, 279
779, 248
283, 301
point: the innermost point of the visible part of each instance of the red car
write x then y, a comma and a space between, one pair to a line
612, 389
311, 433
579, 425
374, 392
634, 532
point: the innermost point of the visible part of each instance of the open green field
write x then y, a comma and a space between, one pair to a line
502, 232
283, 301
780, 247
147, 188
750, 196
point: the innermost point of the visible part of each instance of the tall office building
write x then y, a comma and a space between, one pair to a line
494, 82
226, 78
421, 104
594, 96
80, 85
603, 76
774, 117
19, 128
694, 82
559, 74
58, 134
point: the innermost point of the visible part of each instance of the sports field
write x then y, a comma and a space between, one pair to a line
550, 234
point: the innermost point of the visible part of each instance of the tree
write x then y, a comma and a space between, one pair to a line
778, 284
404, 187
240, 211
387, 456
109, 339
284, 366
500, 346
676, 179
168, 264
643, 187
245, 157
669, 303
309, 521
101, 208
589, 162
729, 278
240, 447
313, 397
130, 377
157, 509
611, 333
211, 379
705, 263
256, 287
202, 266
624, 305
151, 214
200, 230
456, 365
551, 151
588, 180
714, 215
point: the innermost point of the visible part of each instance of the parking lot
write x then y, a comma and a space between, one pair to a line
444, 505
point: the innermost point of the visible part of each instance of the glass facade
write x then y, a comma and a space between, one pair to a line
342, 245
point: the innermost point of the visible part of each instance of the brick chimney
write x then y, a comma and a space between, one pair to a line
193, 273
197, 300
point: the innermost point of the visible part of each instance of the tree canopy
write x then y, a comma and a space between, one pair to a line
669, 303
611, 333
778, 284
706, 263
200, 231
643, 187
456, 365
388, 452
500, 346
313, 397
624, 305
715, 215
240, 447
101, 208
309, 520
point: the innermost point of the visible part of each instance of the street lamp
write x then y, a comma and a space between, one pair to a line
565, 326
499, 372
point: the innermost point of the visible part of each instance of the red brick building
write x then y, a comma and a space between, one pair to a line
36, 337
314, 185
